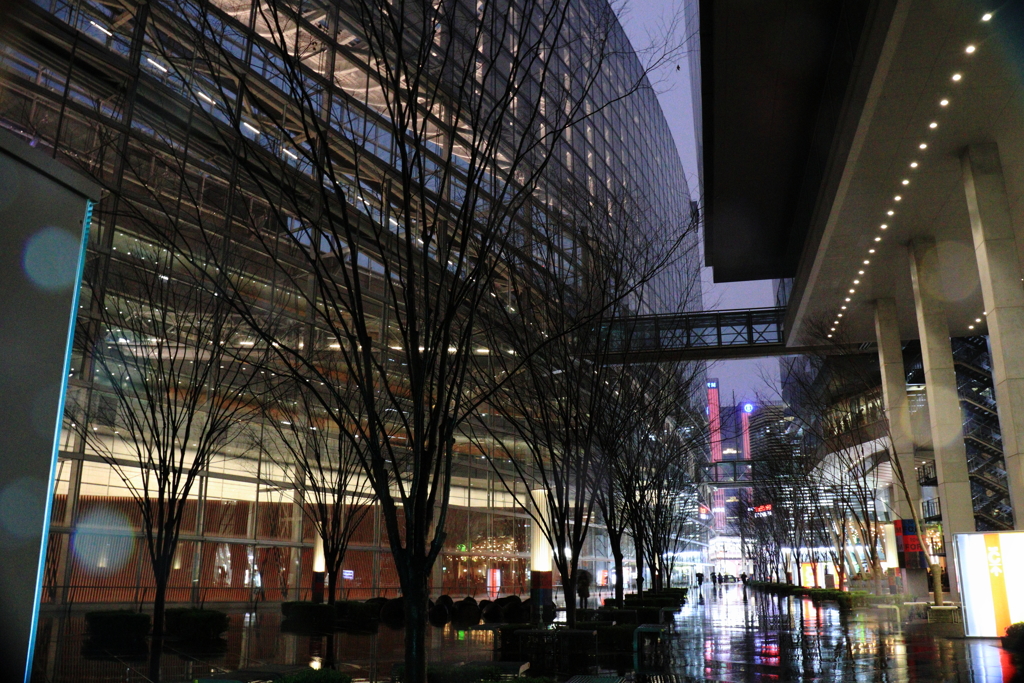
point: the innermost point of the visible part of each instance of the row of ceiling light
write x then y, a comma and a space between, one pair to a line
956, 77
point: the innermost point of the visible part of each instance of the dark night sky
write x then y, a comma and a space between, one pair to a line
645, 22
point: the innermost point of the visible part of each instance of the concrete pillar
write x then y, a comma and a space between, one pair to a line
897, 408
541, 574
995, 247
901, 432
540, 548
943, 401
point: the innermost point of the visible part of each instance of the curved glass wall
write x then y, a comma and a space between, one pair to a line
134, 99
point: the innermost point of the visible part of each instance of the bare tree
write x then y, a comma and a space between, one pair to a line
175, 374
650, 447
335, 495
389, 161
669, 487
555, 354
855, 431
850, 441
620, 437
642, 401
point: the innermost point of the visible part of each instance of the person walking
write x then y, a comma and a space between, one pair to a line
714, 579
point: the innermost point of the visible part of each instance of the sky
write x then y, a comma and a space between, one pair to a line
645, 22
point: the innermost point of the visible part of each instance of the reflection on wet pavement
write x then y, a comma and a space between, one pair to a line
254, 641
736, 636
727, 636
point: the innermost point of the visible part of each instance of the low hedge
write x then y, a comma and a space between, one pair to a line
619, 616
772, 587
453, 673
1013, 641
308, 617
660, 599
195, 625
844, 599
317, 676
357, 617
117, 625
646, 615
652, 602
507, 642
617, 638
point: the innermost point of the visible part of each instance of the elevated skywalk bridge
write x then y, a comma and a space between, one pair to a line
701, 335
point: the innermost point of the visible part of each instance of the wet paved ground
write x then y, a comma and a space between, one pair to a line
764, 638
254, 641
725, 637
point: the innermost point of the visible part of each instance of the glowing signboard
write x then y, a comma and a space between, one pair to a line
991, 601
908, 545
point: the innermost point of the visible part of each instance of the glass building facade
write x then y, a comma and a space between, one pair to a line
128, 94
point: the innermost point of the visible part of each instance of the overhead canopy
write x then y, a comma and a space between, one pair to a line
782, 83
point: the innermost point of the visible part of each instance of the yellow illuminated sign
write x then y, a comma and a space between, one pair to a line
990, 602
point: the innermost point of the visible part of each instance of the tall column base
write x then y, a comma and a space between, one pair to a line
915, 583
540, 595
319, 578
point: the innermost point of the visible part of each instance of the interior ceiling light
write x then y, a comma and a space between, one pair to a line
923, 145
843, 308
913, 164
830, 336
933, 125
871, 251
957, 77
856, 282
943, 102
839, 315
890, 212
860, 272
987, 16
977, 320
102, 30
970, 49
905, 181
866, 262
884, 226
898, 198
878, 239
853, 291
847, 298
970, 327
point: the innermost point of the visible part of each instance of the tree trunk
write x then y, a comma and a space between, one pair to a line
414, 592
619, 567
332, 583
639, 569
160, 572
569, 588
329, 660
937, 584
